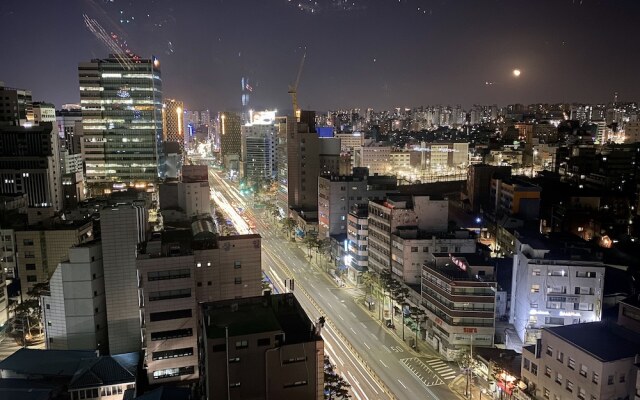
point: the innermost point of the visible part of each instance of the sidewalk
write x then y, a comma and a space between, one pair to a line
459, 385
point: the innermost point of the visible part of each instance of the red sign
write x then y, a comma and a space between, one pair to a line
438, 321
470, 330
462, 264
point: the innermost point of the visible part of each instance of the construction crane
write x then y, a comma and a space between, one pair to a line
293, 90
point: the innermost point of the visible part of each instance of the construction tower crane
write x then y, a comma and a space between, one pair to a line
293, 90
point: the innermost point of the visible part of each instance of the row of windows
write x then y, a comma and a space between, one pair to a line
103, 391
167, 315
172, 334
579, 274
169, 294
241, 344
169, 274
171, 372
175, 353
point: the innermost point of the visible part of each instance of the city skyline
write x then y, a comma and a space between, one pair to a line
382, 54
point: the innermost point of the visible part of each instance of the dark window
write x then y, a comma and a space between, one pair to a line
237, 281
31, 267
27, 242
264, 342
172, 334
169, 274
294, 384
32, 278
169, 294
294, 360
166, 315
208, 283
242, 344
237, 264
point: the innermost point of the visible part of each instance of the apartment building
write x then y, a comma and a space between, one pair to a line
553, 285
515, 197
41, 247
411, 246
385, 216
358, 241
458, 292
74, 313
587, 361
262, 347
178, 269
337, 194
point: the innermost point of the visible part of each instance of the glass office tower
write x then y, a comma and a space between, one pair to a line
121, 99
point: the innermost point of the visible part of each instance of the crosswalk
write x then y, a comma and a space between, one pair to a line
441, 368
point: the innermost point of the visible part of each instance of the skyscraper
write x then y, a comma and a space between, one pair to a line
258, 147
122, 122
173, 122
230, 139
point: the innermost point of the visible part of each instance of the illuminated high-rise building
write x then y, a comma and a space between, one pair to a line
173, 122
230, 139
122, 122
259, 138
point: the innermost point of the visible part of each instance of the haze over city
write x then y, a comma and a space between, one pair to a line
381, 53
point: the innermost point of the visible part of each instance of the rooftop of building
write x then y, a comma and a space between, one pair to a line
589, 337
411, 232
253, 315
57, 224
559, 245
462, 266
520, 182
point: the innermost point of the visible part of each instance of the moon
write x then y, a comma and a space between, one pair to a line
516, 72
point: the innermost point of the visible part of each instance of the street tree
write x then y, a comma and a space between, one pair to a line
419, 316
335, 386
288, 225
399, 294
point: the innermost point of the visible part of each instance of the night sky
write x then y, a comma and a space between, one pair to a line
374, 53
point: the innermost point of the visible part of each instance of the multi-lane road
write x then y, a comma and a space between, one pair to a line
376, 363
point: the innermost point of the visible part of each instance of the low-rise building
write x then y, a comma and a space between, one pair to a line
357, 234
263, 347
42, 247
411, 246
337, 194
553, 284
459, 295
178, 269
69, 374
595, 360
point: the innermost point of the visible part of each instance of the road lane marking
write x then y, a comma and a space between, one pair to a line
402, 384
365, 343
339, 315
385, 365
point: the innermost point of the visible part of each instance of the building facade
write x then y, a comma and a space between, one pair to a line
178, 270
230, 139
258, 161
123, 227
74, 313
337, 194
595, 360
428, 214
122, 122
173, 122
552, 288
40, 249
459, 295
